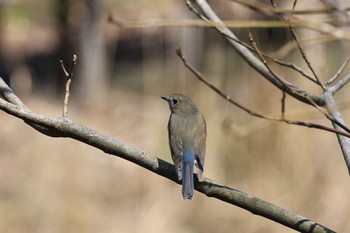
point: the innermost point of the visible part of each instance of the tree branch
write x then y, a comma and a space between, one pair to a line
63, 127
335, 113
339, 84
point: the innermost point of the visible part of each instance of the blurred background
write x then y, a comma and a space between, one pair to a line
60, 185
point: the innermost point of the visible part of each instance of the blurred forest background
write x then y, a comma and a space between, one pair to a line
60, 185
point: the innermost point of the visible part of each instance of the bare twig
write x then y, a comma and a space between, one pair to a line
64, 69
262, 59
303, 54
69, 76
338, 85
339, 71
293, 67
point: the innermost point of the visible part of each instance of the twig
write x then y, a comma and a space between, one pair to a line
338, 85
251, 112
293, 67
262, 59
69, 76
339, 71
303, 54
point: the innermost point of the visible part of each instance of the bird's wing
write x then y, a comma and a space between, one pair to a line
199, 147
176, 154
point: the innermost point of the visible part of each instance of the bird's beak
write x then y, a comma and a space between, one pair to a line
165, 98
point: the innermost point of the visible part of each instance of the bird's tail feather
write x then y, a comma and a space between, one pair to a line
187, 178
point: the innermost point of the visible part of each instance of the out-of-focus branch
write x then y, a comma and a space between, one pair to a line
63, 127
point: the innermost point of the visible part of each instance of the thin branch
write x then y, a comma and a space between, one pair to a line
64, 69
262, 59
303, 54
339, 71
338, 85
69, 76
200, 77
63, 127
294, 67
344, 142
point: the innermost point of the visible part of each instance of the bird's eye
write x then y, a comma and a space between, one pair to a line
175, 101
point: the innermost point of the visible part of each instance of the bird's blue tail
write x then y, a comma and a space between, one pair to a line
187, 176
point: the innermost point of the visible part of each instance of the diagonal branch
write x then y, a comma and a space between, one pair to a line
339, 84
63, 127
341, 69
334, 112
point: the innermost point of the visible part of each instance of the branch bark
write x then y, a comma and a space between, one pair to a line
63, 127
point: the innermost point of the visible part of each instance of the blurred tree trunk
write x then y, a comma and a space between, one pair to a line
92, 68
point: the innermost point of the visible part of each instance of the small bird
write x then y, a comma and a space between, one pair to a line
187, 138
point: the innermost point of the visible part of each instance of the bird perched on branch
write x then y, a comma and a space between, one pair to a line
187, 138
